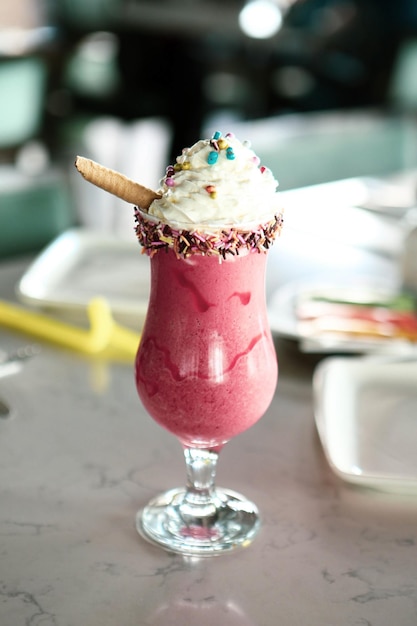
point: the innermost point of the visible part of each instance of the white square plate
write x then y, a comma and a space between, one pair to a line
366, 416
80, 265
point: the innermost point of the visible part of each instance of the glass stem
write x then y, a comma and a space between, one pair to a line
200, 504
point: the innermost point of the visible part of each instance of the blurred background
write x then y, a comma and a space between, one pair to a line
325, 89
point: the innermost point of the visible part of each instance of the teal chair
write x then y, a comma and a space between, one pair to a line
36, 207
22, 91
33, 211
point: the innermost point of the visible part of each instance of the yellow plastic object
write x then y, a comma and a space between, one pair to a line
104, 334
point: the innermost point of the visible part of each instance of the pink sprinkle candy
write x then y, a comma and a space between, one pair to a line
170, 182
263, 169
256, 160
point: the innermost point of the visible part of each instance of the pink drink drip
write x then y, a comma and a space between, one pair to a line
206, 368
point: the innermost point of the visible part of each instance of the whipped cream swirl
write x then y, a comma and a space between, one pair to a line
217, 182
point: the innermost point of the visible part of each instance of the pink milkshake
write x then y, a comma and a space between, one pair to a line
206, 369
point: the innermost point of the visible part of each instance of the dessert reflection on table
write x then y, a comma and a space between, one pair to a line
204, 612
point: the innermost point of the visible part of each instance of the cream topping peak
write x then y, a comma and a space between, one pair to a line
217, 182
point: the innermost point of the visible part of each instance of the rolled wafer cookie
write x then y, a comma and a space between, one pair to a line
115, 183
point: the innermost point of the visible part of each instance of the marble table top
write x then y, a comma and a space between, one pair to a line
79, 456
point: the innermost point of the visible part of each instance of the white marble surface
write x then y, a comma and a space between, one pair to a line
79, 456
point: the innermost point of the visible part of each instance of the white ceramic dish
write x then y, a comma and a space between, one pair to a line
366, 416
82, 264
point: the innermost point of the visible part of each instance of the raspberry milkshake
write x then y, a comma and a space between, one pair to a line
206, 368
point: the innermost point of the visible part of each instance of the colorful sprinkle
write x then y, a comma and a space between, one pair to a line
217, 135
211, 190
230, 154
155, 236
263, 169
186, 165
212, 157
230, 135
170, 182
214, 144
256, 160
222, 143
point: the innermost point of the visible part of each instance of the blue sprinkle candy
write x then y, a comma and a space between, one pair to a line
230, 154
217, 135
212, 157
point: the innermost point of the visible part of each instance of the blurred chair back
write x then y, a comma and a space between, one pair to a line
33, 210
312, 148
22, 93
403, 88
34, 199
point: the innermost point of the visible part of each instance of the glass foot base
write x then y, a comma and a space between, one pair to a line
228, 522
